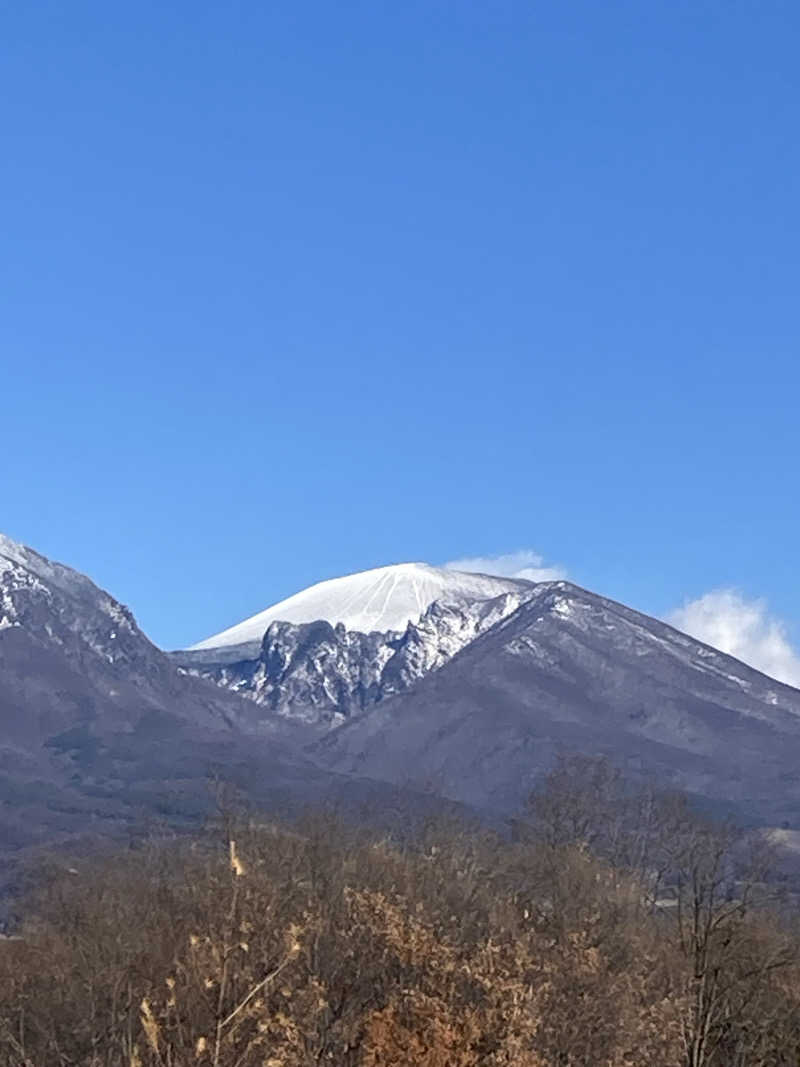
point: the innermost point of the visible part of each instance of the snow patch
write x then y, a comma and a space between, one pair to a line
381, 600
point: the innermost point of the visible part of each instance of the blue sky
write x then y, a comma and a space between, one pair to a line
295, 289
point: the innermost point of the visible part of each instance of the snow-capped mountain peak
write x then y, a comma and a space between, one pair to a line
380, 600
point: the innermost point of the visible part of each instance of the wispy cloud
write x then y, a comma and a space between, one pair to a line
743, 628
523, 564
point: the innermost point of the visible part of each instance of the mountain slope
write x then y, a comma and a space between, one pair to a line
572, 670
96, 725
98, 729
102, 668
383, 599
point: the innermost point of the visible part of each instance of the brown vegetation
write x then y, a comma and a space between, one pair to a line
614, 930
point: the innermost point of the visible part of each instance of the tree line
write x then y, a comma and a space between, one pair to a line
611, 926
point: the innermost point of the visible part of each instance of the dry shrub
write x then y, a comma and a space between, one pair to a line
316, 945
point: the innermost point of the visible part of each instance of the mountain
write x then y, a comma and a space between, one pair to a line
315, 672
474, 699
462, 687
72, 655
380, 600
570, 670
95, 722
99, 731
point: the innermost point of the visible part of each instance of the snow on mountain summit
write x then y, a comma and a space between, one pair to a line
382, 599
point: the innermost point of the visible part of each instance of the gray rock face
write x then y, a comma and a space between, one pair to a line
322, 674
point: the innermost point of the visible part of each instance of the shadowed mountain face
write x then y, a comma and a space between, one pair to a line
97, 728
73, 656
569, 670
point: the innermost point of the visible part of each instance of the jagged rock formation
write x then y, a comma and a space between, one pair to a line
318, 673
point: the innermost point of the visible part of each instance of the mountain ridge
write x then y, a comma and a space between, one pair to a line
572, 670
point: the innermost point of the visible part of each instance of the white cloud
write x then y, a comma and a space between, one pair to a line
523, 564
743, 628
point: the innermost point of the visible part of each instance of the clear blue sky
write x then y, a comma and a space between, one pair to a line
295, 289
